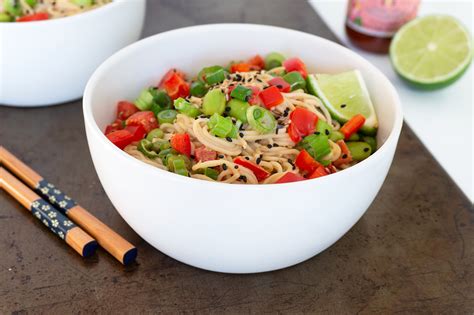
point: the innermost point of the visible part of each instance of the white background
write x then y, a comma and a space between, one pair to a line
442, 119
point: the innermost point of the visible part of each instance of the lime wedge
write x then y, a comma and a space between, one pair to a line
345, 95
432, 51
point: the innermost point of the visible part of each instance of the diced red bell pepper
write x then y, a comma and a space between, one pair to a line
138, 132
146, 119
345, 157
174, 84
203, 154
281, 84
318, 172
126, 109
271, 97
181, 143
40, 16
121, 138
290, 177
241, 67
116, 125
303, 123
257, 61
259, 172
352, 126
306, 163
254, 99
295, 64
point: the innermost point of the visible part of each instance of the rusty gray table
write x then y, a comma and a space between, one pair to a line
412, 252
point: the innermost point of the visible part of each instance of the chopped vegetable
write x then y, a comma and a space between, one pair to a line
254, 99
145, 147
371, 141
40, 16
273, 60
186, 108
260, 119
281, 84
120, 138
213, 102
221, 127
125, 109
178, 164
4, 17
290, 177
174, 84
83, 3
323, 128
305, 162
181, 143
241, 67
359, 150
257, 62
211, 173
168, 116
295, 64
336, 135
12, 7
138, 132
302, 123
155, 133
241, 93
352, 126
154, 100
212, 75
198, 89
116, 125
271, 97
146, 119
318, 172
259, 172
317, 146
295, 80
238, 109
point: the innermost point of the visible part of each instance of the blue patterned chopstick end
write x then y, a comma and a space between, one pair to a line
52, 218
56, 197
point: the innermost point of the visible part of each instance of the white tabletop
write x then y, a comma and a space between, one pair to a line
442, 119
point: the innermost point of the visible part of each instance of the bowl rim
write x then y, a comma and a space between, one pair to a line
125, 52
66, 19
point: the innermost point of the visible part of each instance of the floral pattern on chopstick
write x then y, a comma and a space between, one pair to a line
51, 217
55, 196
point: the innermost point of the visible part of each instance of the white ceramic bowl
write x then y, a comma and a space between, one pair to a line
49, 62
224, 227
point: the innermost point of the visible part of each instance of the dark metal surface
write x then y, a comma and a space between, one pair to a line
412, 252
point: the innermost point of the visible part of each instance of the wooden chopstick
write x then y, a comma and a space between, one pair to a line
57, 222
117, 246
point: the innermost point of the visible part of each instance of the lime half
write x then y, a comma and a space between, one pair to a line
345, 95
432, 51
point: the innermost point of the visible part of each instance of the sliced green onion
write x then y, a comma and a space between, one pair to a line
32, 3
336, 136
371, 141
155, 133
168, 116
213, 102
323, 128
260, 119
12, 7
239, 123
185, 107
198, 89
154, 100
238, 109
160, 145
82, 3
212, 75
295, 79
178, 164
4, 17
354, 137
145, 147
359, 150
241, 93
165, 154
273, 60
317, 146
220, 126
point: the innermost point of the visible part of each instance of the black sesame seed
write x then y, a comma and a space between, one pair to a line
258, 160
343, 105
228, 77
259, 80
236, 166
241, 134
366, 149
275, 145
220, 156
247, 158
344, 156
326, 132
290, 161
224, 167
276, 130
269, 146
279, 86
227, 109
228, 139
192, 156
317, 133
285, 113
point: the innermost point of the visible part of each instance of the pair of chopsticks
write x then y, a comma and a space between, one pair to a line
59, 212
